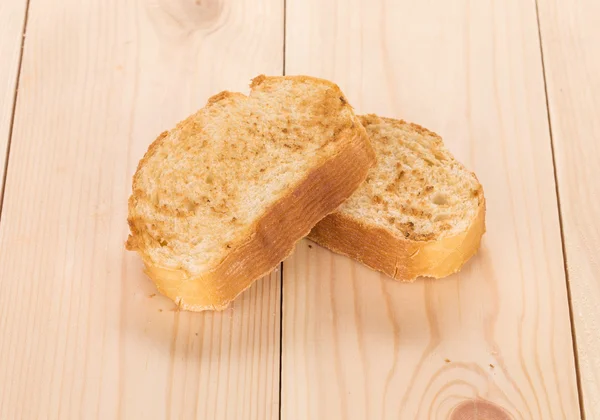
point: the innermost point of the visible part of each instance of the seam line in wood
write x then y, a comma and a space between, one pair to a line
560, 220
14, 107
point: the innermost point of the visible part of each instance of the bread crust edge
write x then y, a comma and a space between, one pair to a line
400, 258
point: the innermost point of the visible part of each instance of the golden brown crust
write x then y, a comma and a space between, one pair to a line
276, 233
266, 80
399, 258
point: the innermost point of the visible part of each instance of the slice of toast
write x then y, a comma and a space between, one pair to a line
222, 198
419, 212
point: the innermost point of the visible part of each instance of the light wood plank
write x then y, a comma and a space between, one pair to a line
12, 21
83, 335
570, 38
357, 345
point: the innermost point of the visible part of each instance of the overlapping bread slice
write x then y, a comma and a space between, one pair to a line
419, 212
222, 198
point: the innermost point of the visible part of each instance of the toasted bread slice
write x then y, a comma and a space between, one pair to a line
222, 198
419, 212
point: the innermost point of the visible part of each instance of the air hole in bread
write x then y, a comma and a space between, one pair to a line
440, 217
191, 206
440, 199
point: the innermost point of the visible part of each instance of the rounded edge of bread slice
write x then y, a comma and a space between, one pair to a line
281, 225
400, 258
398, 255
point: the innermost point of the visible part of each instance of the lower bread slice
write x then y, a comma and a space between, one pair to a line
419, 212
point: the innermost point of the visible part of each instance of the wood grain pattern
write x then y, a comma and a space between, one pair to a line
12, 21
570, 38
496, 336
88, 338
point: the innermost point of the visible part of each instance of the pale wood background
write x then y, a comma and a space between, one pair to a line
85, 336
12, 19
357, 345
571, 40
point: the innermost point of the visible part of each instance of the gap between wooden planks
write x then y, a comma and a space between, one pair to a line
570, 37
84, 335
12, 24
357, 345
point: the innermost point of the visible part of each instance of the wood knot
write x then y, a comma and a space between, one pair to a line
182, 18
479, 409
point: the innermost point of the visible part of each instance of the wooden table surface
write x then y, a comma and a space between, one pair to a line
513, 86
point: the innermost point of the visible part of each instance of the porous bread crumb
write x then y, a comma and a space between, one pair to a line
417, 190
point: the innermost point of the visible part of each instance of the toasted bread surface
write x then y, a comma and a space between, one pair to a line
222, 198
419, 213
